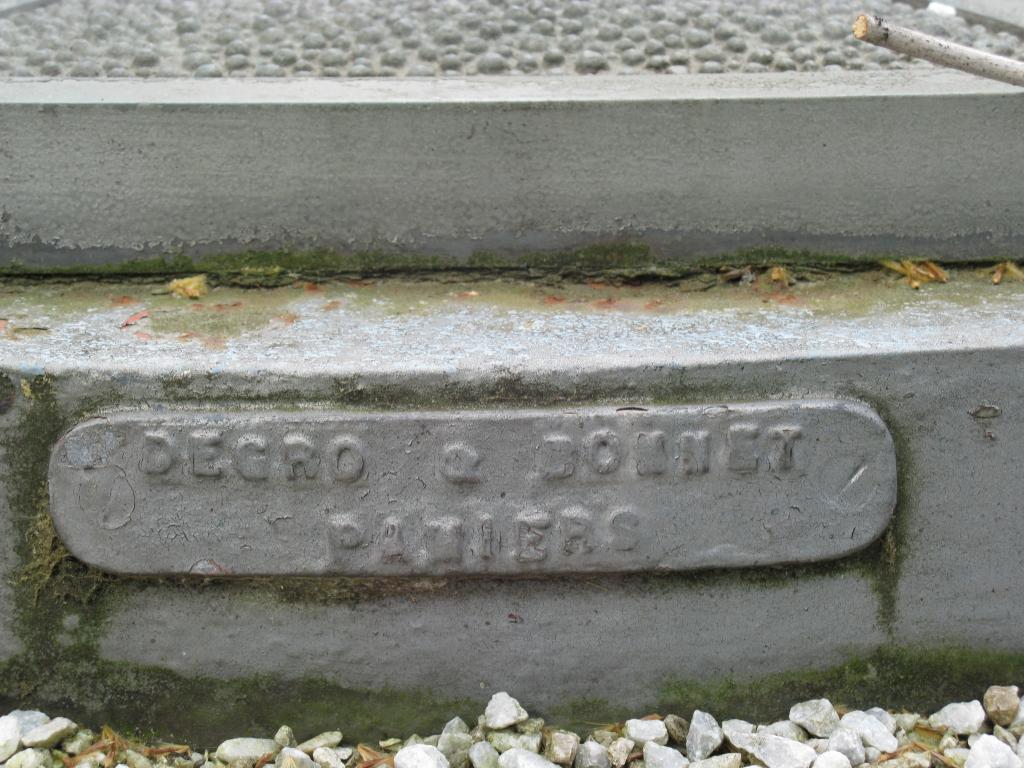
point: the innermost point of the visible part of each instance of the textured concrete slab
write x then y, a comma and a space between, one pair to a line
509, 168
941, 366
367, 38
509, 492
9, 643
565, 641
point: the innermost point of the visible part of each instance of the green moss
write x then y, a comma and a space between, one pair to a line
914, 679
618, 259
202, 710
61, 669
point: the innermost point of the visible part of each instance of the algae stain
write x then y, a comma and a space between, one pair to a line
917, 679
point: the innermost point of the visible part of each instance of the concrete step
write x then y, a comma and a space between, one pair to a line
445, 391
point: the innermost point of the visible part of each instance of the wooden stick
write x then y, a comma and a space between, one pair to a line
873, 29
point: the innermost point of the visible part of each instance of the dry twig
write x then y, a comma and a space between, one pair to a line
876, 30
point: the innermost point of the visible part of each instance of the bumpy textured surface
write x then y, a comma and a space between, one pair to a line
358, 38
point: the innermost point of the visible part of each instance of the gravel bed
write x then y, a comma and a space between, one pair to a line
379, 38
971, 734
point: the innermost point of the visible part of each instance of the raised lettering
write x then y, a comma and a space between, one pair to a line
346, 530
693, 452
742, 447
486, 546
556, 458
603, 454
301, 459
576, 527
460, 463
347, 458
651, 458
782, 439
625, 530
157, 452
251, 457
443, 540
206, 452
530, 531
392, 542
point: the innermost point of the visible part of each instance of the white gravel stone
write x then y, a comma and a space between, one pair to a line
420, 756
137, 760
503, 711
962, 718
285, 737
619, 751
10, 736
521, 758
990, 752
643, 731
503, 741
453, 742
328, 739
732, 760
560, 747
733, 728
590, 754
872, 755
705, 736
1002, 702
909, 760
455, 725
906, 720
1017, 726
290, 757
777, 752
29, 718
483, 755
957, 754
818, 717
786, 729
658, 756
883, 717
832, 759
871, 732
677, 728
49, 734
246, 750
1004, 736
818, 745
848, 742
29, 758
326, 757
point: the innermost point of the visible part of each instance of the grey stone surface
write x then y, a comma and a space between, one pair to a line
365, 38
927, 368
512, 167
9, 644
409, 643
499, 492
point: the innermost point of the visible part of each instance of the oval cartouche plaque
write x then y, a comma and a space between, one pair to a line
586, 490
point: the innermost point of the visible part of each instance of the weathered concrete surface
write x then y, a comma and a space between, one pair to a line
560, 640
512, 167
511, 492
943, 372
9, 643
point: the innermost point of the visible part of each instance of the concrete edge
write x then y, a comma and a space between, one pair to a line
498, 90
689, 167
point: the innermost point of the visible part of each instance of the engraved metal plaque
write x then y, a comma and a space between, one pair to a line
473, 492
